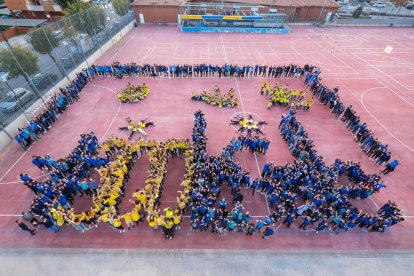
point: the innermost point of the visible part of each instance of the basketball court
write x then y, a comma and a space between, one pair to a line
380, 86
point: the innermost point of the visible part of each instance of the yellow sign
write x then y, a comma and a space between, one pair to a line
186, 16
232, 17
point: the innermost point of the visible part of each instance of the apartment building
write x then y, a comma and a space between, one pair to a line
35, 9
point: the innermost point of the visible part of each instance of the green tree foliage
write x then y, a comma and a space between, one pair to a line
64, 3
43, 42
121, 7
86, 18
27, 60
401, 3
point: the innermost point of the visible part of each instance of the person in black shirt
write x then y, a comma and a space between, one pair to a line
24, 227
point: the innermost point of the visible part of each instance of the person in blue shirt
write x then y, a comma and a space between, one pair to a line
267, 232
259, 225
223, 203
21, 141
232, 225
390, 167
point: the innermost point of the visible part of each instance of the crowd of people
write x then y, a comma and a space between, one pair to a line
281, 95
158, 157
377, 151
226, 100
137, 126
52, 205
133, 93
30, 133
132, 69
54, 107
253, 144
210, 174
326, 203
248, 125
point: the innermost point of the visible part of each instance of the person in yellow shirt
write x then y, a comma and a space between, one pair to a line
136, 217
111, 201
160, 221
168, 228
168, 213
116, 223
152, 221
128, 220
177, 220
58, 217
104, 218
308, 104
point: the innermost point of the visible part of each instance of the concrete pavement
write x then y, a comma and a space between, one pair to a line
203, 262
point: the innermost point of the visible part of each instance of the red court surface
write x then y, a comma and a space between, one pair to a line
381, 88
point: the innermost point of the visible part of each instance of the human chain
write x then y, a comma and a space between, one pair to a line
326, 203
363, 136
60, 101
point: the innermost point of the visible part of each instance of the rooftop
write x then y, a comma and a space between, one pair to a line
21, 22
158, 2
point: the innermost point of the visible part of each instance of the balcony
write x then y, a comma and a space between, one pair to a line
35, 7
57, 8
32, 7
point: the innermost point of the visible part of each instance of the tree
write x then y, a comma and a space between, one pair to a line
400, 4
86, 18
43, 42
121, 7
64, 3
27, 62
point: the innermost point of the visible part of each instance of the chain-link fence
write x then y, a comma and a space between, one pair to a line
49, 54
361, 13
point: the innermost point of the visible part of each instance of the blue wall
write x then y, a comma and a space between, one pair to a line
188, 29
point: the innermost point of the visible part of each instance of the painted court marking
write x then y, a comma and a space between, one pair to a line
244, 114
106, 132
377, 120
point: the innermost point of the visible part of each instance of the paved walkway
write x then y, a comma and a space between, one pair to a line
194, 262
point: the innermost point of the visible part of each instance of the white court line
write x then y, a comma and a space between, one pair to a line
403, 74
373, 201
273, 51
106, 132
116, 114
379, 78
150, 51
241, 50
15, 163
175, 51
392, 90
16, 182
224, 50
378, 121
120, 48
255, 157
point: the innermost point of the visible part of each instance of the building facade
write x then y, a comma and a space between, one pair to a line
166, 11
35, 9
156, 11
